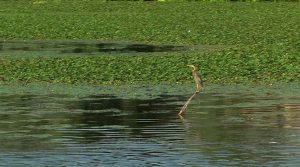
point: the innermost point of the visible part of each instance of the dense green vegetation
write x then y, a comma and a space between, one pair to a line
259, 42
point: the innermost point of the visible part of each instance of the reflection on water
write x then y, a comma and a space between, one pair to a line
219, 129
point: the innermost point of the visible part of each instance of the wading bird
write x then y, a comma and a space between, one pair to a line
199, 87
197, 78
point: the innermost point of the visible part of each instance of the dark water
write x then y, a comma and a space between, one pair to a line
82, 47
222, 127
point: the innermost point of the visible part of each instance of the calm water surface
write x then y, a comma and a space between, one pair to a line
85, 47
223, 126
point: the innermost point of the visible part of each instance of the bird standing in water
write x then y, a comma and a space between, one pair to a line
199, 87
197, 78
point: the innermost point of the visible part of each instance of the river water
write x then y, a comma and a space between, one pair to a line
107, 126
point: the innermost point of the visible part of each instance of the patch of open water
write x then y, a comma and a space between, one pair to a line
223, 126
88, 47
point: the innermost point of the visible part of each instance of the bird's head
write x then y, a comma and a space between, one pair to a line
192, 66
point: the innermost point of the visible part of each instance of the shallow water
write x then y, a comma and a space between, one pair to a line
223, 126
83, 47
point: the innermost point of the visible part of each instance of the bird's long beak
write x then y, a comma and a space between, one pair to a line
190, 65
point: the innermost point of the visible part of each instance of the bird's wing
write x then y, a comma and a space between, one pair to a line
198, 79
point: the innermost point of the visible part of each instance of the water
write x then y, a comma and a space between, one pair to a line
87, 47
77, 126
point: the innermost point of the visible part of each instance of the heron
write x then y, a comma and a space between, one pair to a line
199, 87
197, 78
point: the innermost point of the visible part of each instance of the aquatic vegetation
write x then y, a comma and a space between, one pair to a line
227, 66
256, 42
